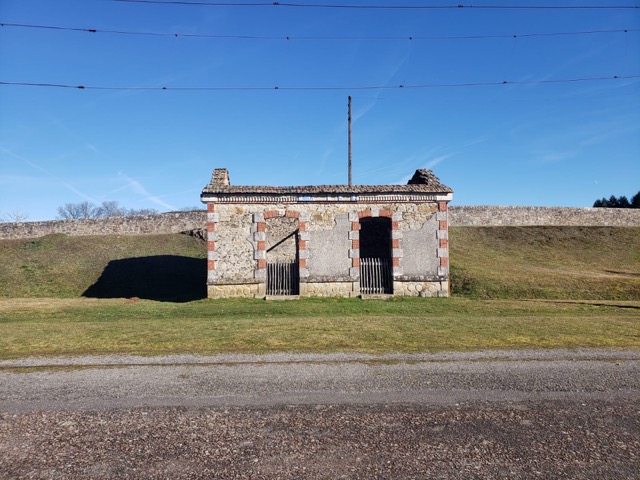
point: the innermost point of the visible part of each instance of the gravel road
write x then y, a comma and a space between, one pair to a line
530, 414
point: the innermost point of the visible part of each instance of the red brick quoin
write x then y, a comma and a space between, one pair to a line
262, 227
211, 245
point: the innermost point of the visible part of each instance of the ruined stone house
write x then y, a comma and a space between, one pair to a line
327, 240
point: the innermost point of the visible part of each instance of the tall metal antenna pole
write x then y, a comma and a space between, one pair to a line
350, 140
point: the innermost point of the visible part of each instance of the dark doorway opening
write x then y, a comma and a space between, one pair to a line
376, 270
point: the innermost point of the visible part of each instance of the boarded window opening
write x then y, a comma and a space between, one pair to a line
376, 271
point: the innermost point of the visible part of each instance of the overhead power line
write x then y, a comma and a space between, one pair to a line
317, 88
316, 37
388, 7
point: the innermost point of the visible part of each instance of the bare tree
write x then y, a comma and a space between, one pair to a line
110, 209
142, 211
107, 209
16, 216
72, 211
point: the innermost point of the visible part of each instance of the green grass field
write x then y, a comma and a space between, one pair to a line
513, 287
48, 327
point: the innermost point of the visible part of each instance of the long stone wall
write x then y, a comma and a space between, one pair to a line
491, 216
459, 216
173, 222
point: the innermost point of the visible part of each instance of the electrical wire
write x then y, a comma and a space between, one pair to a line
308, 37
388, 7
312, 88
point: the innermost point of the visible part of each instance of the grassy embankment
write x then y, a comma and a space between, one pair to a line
546, 262
492, 268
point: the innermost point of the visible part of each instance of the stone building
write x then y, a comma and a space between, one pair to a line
327, 240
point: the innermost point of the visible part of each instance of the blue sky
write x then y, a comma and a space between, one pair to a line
516, 144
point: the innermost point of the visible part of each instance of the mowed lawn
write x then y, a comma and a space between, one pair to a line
82, 326
513, 287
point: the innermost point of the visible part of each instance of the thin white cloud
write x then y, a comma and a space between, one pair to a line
426, 158
139, 189
428, 165
62, 182
554, 156
388, 77
328, 152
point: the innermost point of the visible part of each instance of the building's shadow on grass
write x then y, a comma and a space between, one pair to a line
165, 278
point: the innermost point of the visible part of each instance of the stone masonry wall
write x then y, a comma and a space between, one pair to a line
328, 246
236, 237
491, 216
459, 216
173, 222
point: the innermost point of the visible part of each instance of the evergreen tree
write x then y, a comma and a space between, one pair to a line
618, 202
623, 202
613, 202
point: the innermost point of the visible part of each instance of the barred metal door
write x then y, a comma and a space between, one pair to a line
375, 276
283, 278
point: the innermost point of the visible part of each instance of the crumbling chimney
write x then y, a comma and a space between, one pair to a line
220, 177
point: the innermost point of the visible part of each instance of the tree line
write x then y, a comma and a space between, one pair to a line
107, 209
618, 202
75, 211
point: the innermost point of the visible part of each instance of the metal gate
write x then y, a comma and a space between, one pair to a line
375, 276
283, 278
